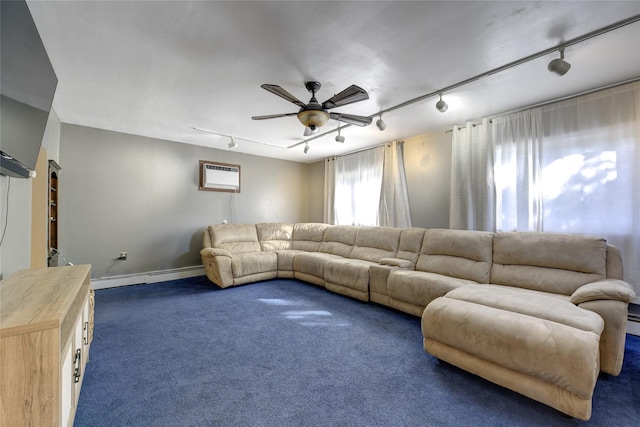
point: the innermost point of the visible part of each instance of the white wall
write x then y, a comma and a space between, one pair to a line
121, 192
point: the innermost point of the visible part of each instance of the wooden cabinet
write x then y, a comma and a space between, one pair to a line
46, 329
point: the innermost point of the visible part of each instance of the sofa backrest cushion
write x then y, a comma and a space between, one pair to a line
374, 243
464, 254
410, 244
236, 238
307, 236
339, 240
614, 263
556, 263
274, 236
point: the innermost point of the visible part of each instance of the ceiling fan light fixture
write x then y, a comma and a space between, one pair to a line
559, 66
313, 118
233, 144
441, 105
381, 124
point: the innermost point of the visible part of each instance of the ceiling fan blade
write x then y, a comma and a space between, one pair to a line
273, 116
351, 119
348, 96
277, 90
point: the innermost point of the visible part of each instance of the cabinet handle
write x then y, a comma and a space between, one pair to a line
77, 372
85, 338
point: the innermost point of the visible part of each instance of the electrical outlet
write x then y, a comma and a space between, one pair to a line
123, 256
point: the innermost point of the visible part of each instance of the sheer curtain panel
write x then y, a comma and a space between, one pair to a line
472, 184
394, 200
358, 182
574, 167
329, 216
517, 157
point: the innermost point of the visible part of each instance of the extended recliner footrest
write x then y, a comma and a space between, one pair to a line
536, 344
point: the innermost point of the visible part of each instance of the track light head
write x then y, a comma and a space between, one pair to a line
233, 144
441, 105
381, 124
559, 66
306, 148
339, 138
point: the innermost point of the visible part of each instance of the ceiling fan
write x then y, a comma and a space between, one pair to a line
314, 115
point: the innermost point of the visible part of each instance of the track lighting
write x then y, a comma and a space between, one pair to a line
306, 148
381, 124
233, 144
339, 138
441, 105
559, 65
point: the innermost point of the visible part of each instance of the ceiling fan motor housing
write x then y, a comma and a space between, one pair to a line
313, 115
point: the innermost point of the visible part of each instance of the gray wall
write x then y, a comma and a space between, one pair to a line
121, 192
316, 192
427, 161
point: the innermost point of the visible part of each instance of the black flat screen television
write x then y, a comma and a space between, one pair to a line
27, 86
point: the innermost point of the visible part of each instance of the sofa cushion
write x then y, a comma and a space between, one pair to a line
274, 236
419, 288
253, 262
236, 238
339, 240
410, 244
308, 236
556, 263
348, 273
312, 263
375, 243
463, 254
553, 307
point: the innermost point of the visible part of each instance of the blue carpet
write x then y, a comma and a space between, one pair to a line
286, 353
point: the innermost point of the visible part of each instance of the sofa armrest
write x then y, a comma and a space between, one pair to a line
607, 289
398, 262
212, 252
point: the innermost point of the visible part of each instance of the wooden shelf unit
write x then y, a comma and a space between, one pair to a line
46, 327
54, 170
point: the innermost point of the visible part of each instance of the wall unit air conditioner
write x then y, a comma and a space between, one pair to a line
219, 177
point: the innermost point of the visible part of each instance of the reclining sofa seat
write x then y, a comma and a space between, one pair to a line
448, 259
337, 243
405, 258
350, 276
537, 327
305, 237
232, 255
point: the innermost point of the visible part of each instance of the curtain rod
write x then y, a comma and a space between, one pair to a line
574, 41
553, 101
363, 149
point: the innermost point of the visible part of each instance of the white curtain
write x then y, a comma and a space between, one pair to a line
358, 181
472, 204
517, 157
573, 167
591, 170
328, 216
394, 200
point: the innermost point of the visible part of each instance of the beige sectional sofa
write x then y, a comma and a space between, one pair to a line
540, 313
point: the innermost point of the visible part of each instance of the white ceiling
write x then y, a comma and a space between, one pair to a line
158, 69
